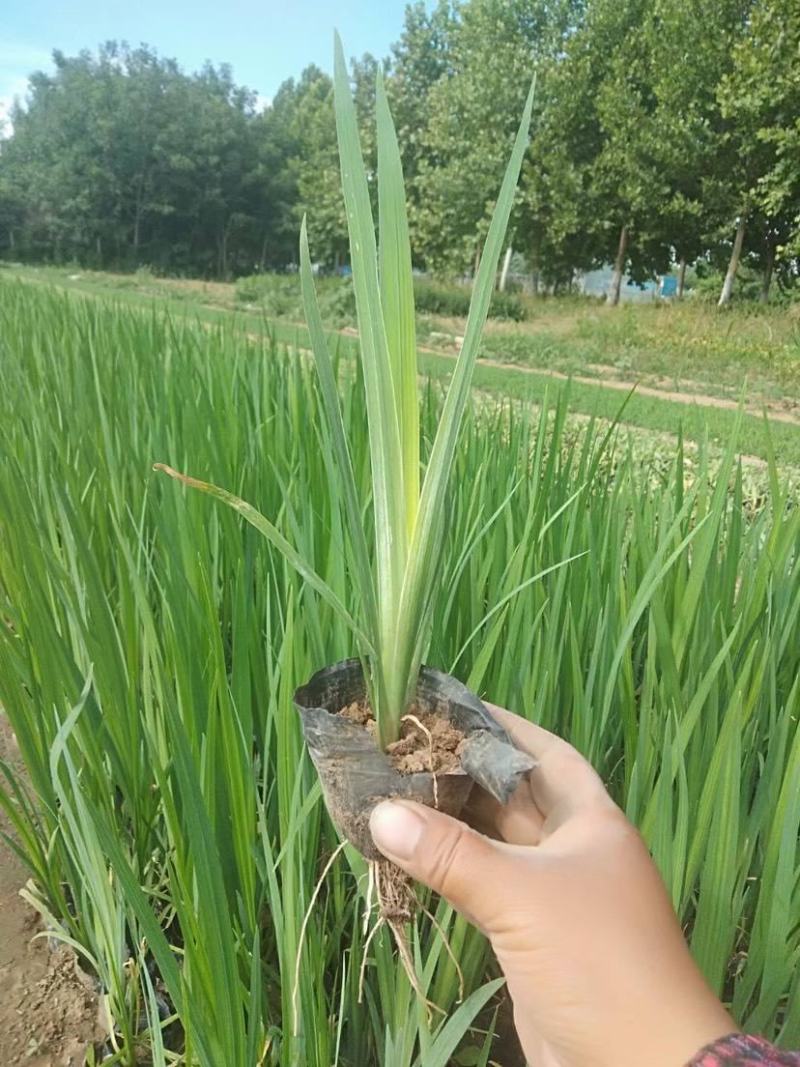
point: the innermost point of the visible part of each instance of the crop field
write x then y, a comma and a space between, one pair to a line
150, 643
400, 535
680, 368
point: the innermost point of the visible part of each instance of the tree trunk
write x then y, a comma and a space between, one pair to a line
733, 265
223, 253
506, 267
263, 259
769, 266
535, 269
477, 262
612, 297
11, 238
681, 278
137, 217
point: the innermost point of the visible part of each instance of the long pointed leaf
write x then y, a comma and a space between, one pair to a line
333, 414
273, 535
384, 433
397, 295
423, 557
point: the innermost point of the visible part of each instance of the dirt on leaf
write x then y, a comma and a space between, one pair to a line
48, 1006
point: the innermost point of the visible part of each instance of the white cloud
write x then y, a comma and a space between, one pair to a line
262, 102
17, 63
9, 89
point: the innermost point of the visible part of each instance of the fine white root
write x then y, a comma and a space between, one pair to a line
303, 929
408, 966
370, 898
390, 894
394, 893
429, 735
395, 903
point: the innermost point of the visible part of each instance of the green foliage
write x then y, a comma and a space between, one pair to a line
279, 296
760, 102
396, 595
121, 158
442, 298
187, 803
493, 48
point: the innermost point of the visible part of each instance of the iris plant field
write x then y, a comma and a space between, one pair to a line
150, 644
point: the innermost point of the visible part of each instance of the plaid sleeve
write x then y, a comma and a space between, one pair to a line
741, 1050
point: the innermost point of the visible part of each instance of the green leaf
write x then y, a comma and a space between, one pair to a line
386, 457
333, 415
275, 537
397, 297
424, 554
458, 1024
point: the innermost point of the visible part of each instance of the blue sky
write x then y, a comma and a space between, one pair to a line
266, 41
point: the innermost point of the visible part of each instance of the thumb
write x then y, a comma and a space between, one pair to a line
472, 872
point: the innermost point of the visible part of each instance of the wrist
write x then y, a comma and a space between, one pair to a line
675, 1036
738, 1049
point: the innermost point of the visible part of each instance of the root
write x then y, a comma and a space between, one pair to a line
396, 903
303, 929
404, 952
369, 902
429, 735
394, 892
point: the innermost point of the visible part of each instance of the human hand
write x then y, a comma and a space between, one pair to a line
596, 963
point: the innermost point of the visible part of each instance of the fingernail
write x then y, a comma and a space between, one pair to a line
396, 829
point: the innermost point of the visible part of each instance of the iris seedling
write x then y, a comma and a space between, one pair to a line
395, 565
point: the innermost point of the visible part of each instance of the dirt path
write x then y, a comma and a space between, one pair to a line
776, 409
48, 1013
704, 400
606, 379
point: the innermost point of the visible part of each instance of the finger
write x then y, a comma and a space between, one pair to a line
564, 783
527, 735
472, 872
518, 823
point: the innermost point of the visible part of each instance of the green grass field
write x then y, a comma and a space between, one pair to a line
150, 643
744, 356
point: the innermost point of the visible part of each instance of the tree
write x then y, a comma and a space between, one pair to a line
275, 136
124, 159
558, 214
494, 47
601, 176
298, 139
760, 100
421, 57
688, 123
627, 177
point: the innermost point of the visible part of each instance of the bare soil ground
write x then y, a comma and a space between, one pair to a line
48, 1010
